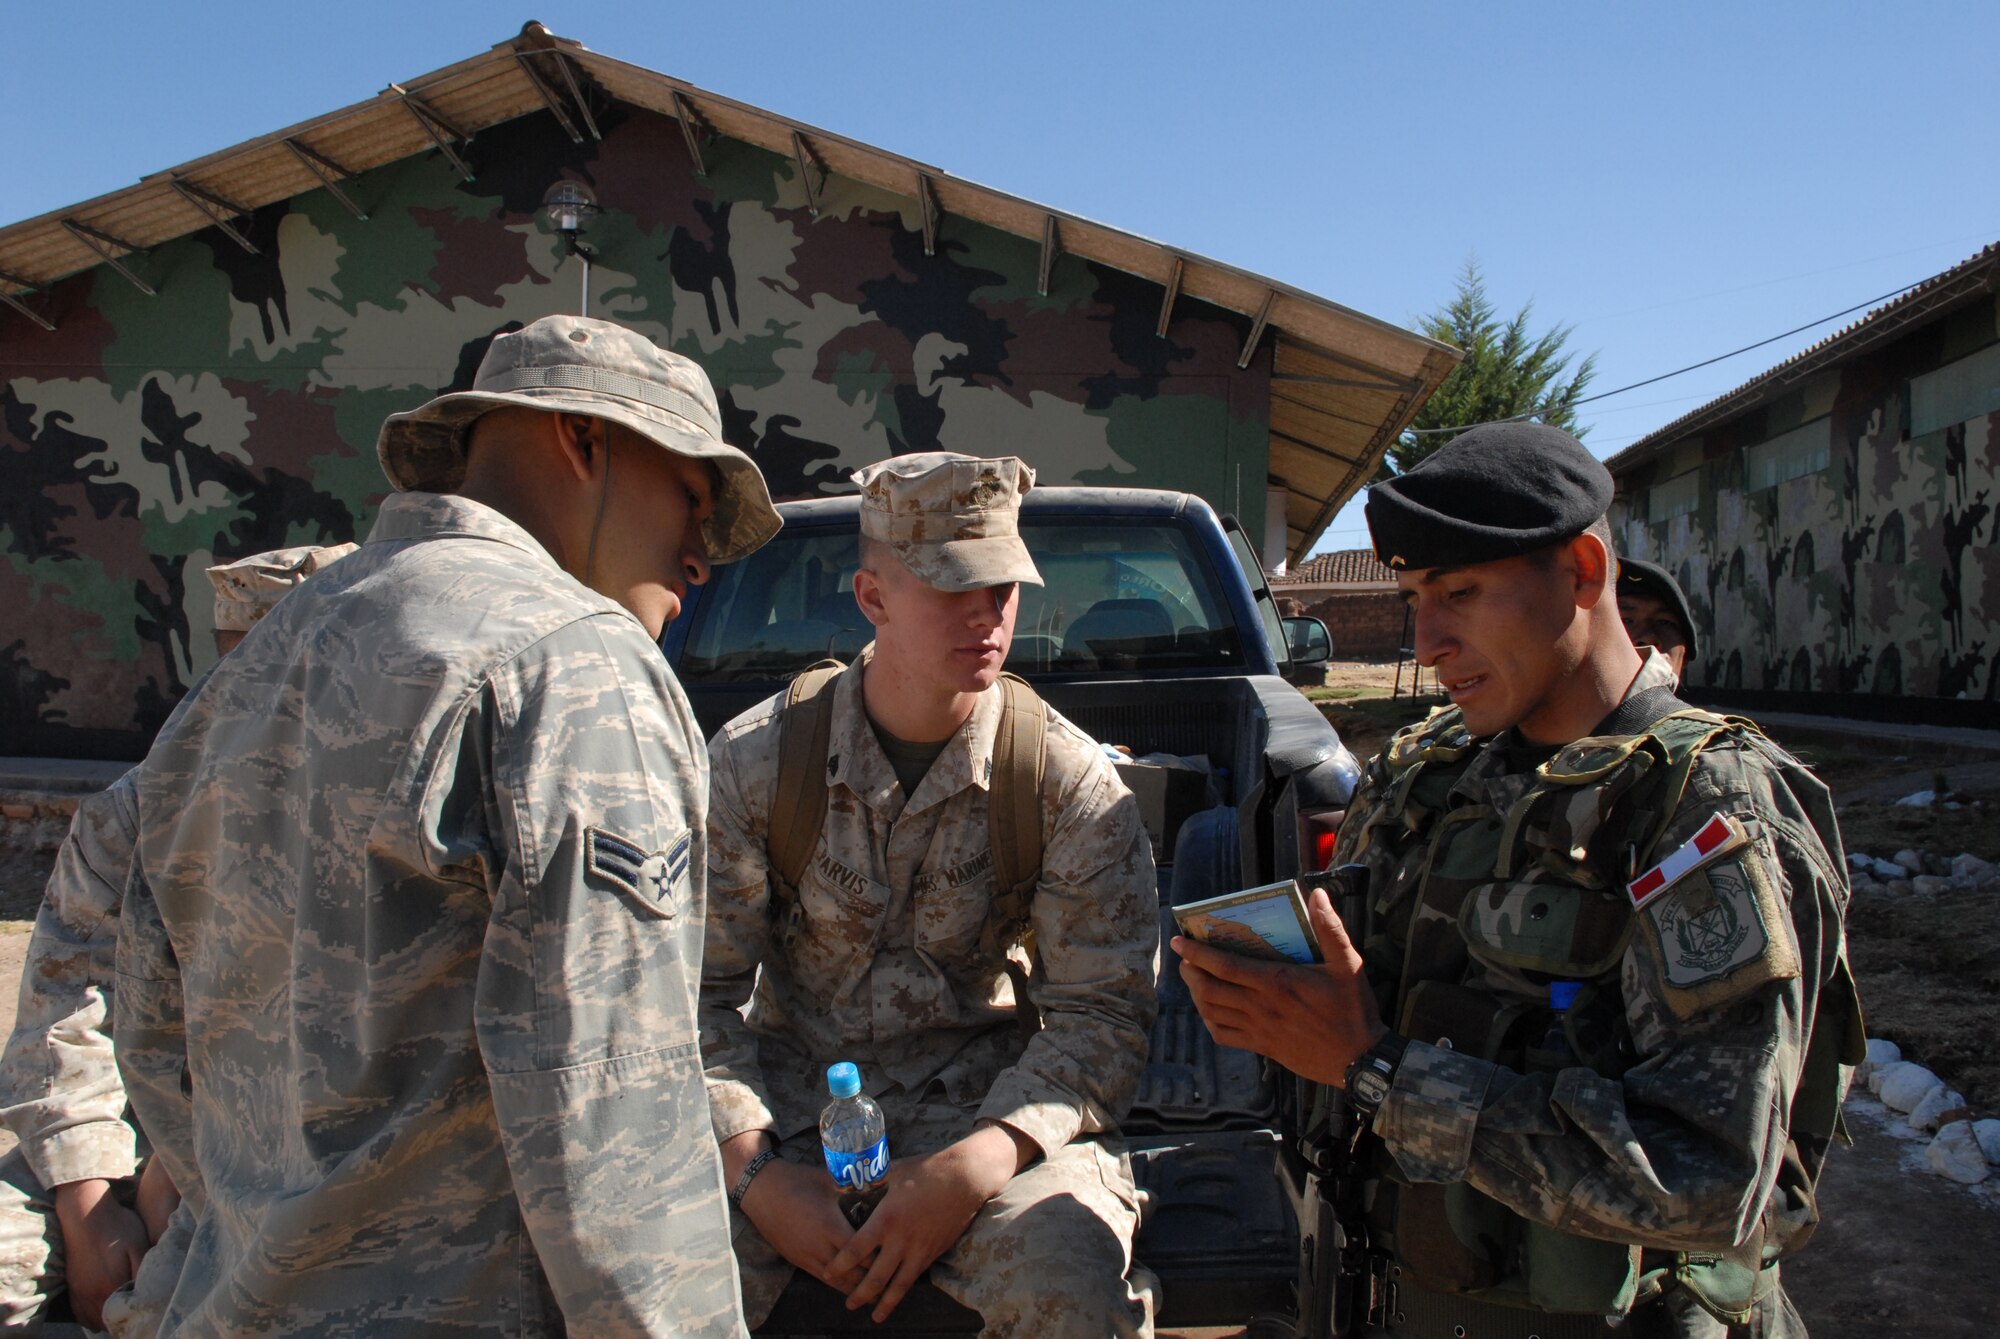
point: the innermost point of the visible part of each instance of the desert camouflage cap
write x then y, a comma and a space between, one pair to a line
578, 365
248, 588
952, 519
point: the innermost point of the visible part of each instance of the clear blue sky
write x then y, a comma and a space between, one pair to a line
1675, 180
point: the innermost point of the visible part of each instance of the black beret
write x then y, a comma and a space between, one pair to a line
1494, 492
1642, 578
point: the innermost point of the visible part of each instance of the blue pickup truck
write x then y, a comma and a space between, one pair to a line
1156, 633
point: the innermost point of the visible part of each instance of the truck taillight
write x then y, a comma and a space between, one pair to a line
1319, 836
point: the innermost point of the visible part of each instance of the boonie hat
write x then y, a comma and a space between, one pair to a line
249, 588
1492, 492
952, 519
578, 365
1650, 579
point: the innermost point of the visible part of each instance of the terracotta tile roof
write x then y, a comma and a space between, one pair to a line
1349, 567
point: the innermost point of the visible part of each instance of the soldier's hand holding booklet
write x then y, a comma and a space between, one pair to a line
1266, 922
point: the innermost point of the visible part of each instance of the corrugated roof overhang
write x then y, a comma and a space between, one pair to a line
1935, 297
1343, 384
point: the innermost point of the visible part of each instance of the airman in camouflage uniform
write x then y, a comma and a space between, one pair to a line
418, 901
65, 1191
894, 952
1610, 1015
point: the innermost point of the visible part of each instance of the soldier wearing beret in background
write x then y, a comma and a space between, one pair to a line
1655, 612
902, 950
417, 909
73, 1216
1594, 1031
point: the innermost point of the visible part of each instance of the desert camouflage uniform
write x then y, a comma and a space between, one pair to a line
424, 855
894, 961
59, 1087
1683, 1152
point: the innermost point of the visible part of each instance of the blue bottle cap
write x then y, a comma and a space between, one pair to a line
1562, 994
843, 1079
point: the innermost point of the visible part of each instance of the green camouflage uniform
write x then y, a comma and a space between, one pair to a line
59, 1087
1661, 1158
894, 958
416, 919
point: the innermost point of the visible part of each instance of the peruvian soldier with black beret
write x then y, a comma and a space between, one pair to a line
1591, 1028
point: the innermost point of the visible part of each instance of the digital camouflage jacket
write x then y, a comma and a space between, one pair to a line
417, 923
59, 1087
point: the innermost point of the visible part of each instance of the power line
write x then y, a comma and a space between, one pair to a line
1788, 278
1691, 367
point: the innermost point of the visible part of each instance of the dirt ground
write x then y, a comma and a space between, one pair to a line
1900, 1250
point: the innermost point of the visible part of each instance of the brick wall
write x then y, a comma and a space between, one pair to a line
1364, 626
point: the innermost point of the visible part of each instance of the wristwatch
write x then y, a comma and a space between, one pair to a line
1369, 1077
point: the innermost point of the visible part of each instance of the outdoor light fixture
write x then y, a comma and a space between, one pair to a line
570, 207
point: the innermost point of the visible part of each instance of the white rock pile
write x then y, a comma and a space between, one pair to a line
1921, 874
1961, 1148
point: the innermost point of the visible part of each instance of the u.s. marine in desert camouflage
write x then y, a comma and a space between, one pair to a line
65, 1191
893, 953
1604, 1047
419, 897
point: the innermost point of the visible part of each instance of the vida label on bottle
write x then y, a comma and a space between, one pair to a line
859, 1171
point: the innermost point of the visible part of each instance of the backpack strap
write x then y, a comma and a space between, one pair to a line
798, 805
1013, 811
1014, 805
1014, 827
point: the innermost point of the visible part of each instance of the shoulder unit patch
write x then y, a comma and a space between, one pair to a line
1719, 935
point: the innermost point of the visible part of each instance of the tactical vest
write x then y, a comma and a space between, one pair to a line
1490, 901
1013, 813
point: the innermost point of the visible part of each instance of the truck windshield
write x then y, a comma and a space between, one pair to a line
1119, 596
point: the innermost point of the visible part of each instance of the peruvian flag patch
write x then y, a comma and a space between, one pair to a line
1718, 837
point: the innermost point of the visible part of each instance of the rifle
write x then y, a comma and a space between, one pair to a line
1336, 1286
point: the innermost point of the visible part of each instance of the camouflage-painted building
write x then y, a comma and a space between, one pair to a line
1832, 521
194, 368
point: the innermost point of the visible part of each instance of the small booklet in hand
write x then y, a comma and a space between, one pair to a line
1267, 922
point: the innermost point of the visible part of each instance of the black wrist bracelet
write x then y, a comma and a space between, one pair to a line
750, 1170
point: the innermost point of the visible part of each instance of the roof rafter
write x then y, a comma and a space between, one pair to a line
576, 91
101, 243
218, 210
330, 174
809, 162
692, 121
927, 206
548, 96
441, 131
1256, 335
1167, 299
22, 307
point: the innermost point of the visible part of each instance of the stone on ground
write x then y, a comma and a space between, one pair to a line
1903, 1085
1881, 1051
1938, 1102
1987, 1132
1955, 1153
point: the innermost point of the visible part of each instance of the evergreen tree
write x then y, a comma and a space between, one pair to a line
1506, 372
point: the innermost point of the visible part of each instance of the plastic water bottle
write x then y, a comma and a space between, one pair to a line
855, 1142
1554, 1053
